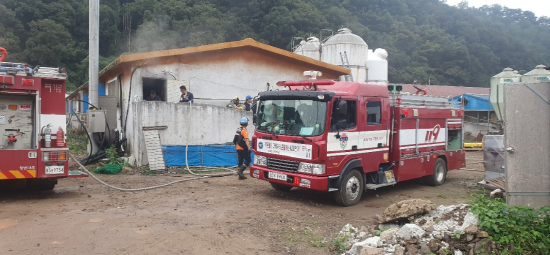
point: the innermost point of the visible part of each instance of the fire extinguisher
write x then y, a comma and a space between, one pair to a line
60, 137
48, 136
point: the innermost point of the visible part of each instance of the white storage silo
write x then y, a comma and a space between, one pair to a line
539, 74
377, 64
309, 48
508, 75
346, 44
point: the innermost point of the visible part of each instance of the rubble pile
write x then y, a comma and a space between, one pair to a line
416, 226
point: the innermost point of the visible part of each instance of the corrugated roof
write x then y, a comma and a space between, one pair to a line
444, 90
249, 42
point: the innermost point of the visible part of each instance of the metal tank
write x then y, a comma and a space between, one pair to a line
377, 64
539, 74
347, 50
309, 48
508, 75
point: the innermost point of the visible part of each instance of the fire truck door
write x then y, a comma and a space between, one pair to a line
344, 140
374, 138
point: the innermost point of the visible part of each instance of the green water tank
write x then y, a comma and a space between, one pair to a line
508, 75
539, 74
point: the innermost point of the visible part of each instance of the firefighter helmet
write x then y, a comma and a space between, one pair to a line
244, 121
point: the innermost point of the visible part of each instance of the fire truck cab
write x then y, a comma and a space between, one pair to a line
346, 137
33, 146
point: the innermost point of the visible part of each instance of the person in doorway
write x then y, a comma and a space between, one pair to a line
186, 96
152, 96
248, 103
243, 148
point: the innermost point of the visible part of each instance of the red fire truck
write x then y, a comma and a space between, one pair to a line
346, 137
33, 148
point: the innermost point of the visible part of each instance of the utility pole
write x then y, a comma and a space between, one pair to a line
93, 57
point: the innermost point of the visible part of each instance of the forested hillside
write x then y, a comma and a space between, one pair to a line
425, 39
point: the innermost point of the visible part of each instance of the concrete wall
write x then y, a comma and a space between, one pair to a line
208, 124
214, 78
526, 121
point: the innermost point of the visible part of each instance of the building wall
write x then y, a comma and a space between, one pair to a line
214, 78
527, 139
199, 124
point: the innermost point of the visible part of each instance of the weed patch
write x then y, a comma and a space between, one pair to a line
338, 245
299, 235
77, 143
517, 229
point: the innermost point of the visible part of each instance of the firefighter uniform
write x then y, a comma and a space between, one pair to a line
243, 152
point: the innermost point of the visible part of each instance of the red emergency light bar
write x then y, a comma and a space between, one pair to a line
8, 80
305, 83
28, 82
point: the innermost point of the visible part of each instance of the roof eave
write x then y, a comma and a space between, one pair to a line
221, 46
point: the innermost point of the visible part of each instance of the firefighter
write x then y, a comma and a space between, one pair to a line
243, 147
248, 103
186, 96
236, 104
153, 96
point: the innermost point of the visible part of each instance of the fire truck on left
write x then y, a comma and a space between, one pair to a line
33, 147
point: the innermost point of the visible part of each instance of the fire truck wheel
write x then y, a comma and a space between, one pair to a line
440, 173
350, 190
281, 187
41, 184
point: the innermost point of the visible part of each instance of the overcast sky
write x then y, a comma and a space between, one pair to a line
538, 7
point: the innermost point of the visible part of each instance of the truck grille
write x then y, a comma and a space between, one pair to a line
283, 165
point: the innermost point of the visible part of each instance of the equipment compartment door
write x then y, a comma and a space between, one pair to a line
16, 122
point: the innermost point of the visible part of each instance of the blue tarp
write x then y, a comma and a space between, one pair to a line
475, 102
219, 155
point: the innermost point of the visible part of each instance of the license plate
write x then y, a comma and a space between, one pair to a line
276, 176
389, 176
55, 169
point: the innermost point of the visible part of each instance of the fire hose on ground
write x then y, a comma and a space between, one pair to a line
200, 176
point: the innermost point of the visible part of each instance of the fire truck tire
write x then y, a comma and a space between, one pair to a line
41, 184
281, 187
440, 173
351, 189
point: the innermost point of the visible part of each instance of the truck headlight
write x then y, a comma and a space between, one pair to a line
311, 168
260, 160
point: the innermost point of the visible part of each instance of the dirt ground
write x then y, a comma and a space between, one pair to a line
209, 216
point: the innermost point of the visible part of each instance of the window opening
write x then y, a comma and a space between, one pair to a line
351, 116
158, 85
374, 113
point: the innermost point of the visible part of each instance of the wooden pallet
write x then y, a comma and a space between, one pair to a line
497, 182
154, 150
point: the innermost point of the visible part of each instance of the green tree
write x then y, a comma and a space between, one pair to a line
50, 44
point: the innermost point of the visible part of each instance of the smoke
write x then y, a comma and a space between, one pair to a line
164, 33
155, 35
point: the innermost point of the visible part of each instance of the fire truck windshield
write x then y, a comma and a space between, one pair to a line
292, 117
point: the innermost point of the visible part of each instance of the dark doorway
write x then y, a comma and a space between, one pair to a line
158, 85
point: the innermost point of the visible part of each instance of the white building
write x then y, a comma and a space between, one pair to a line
213, 73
